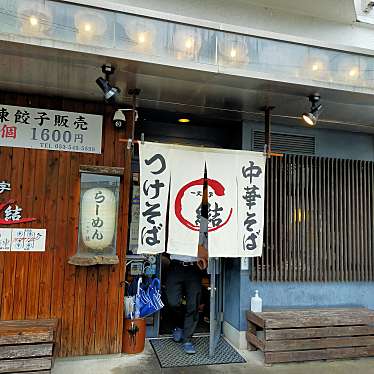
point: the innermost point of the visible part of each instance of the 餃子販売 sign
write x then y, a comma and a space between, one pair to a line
25, 127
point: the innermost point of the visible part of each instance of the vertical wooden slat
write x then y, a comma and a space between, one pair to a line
350, 230
307, 215
335, 221
297, 223
359, 221
367, 219
70, 245
356, 225
332, 228
320, 221
304, 248
362, 220
286, 231
339, 220
273, 213
356, 198
312, 215
327, 209
59, 261
323, 259
280, 264
51, 187
293, 242
265, 256
289, 218
345, 219
362, 182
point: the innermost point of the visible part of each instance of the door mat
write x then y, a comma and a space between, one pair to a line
171, 354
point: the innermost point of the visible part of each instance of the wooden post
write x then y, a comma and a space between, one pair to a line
267, 148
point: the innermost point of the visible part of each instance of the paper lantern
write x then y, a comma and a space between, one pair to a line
186, 42
98, 218
350, 70
36, 18
317, 65
141, 32
90, 26
233, 49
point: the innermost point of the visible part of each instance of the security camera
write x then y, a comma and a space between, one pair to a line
119, 118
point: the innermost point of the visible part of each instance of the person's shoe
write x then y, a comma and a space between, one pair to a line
177, 334
189, 348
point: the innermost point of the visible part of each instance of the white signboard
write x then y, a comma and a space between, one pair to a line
154, 187
22, 240
25, 127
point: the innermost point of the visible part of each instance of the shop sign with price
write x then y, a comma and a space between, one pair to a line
25, 127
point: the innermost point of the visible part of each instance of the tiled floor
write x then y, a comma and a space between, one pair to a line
146, 363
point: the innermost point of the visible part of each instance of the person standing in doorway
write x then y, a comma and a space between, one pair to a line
184, 280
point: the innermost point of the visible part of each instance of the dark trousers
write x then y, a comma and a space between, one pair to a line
184, 281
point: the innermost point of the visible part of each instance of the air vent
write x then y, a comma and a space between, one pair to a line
285, 143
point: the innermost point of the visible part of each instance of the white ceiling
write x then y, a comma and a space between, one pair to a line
334, 10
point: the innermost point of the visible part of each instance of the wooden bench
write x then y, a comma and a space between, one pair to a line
27, 346
311, 334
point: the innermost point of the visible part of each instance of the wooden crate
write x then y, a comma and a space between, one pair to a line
311, 334
27, 346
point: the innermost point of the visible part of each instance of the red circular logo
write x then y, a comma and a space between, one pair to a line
218, 189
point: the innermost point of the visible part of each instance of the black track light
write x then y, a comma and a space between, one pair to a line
109, 91
311, 117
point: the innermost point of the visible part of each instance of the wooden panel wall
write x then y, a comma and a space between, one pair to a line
88, 300
319, 217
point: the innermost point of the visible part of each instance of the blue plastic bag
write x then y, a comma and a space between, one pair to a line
150, 300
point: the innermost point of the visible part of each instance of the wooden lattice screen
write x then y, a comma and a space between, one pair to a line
318, 220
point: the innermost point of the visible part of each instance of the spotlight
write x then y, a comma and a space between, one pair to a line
311, 117
183, 120
109, 91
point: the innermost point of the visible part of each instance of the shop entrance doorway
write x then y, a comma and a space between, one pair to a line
166, 319
163, 126
211, 308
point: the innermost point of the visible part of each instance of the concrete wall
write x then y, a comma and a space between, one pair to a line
328, 144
